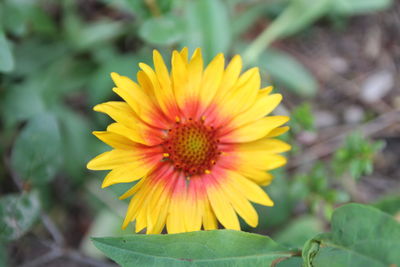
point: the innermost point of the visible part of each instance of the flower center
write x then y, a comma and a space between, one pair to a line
192, 147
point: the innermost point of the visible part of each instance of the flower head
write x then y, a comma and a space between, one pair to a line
198, 142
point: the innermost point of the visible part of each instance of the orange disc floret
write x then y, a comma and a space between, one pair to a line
192, 147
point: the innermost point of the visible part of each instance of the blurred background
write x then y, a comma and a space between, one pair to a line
337, 63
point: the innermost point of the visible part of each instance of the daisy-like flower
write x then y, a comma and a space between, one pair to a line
197, 142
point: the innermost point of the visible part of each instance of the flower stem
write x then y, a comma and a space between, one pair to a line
259, 44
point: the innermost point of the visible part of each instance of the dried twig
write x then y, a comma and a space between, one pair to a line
44, 259
52, 229
328, 146
57, 252
78, 257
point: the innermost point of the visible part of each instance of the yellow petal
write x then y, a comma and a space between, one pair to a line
261, 177
209, 219
179, 78
266, 90
127, 132
175, 223
160, 213
147, 86
141, 219
222, 208
130, 92
162, 94
230, 77
153, 85
195, 74
194, 207
125, 174
262, 160
136, 204
263, 105
184, 54
161, 220
267, 145
242, 206
118, 111
255, 130
140, 98
244, 93
166, 96
132, 190
112, 159
249, 189
192, 216
155, 205
211, 80
278, 131
133, 209
114, 140
175, 220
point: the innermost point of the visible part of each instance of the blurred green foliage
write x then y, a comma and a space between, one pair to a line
355, 156
55, 60
18, 213
302, 118
326, 184
298, 231
41, 162
389, 204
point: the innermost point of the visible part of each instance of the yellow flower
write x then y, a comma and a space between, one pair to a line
197, 141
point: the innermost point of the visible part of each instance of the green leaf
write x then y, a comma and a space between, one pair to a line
45, 54
20, 17
36, 152
76, 136
165, 30
298, 231
203, 248
208, 27
298, 15
389, 204
97, 33
15, 16
75, 71
42, 22
20, 103
85, 36
3, 255
18, 213
353, 7
244, 20
138, 8
6, 57
290, 262
361, 236
286, 70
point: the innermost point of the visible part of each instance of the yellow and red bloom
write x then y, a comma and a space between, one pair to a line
197, 141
